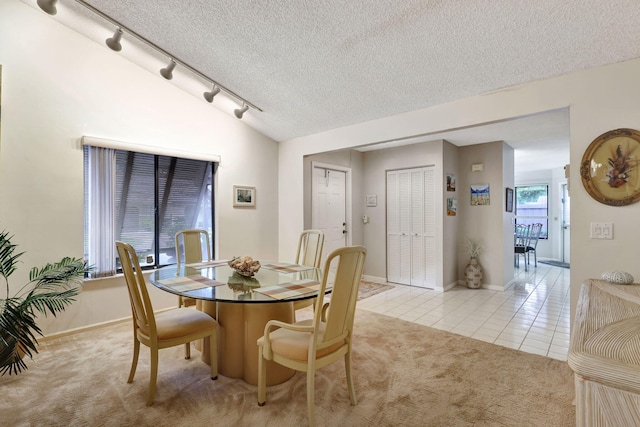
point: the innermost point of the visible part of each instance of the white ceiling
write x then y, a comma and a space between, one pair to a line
312, 66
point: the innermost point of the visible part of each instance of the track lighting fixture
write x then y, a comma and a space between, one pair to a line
49, 6
213, 92
240, 111
114, 42
167, 72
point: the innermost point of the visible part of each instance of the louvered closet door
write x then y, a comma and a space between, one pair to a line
411, 227
398, 243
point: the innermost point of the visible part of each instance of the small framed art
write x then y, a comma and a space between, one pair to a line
244, 196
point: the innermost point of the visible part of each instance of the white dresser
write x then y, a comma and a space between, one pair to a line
605, 354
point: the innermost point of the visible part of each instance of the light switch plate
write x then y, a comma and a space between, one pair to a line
602, 230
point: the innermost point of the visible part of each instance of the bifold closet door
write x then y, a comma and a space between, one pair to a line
411, 227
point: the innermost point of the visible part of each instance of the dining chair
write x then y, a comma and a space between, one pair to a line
521, 237
309, 253
311, 344
189, 244
165, 329
534, 236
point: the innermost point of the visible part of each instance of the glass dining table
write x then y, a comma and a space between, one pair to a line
242, 306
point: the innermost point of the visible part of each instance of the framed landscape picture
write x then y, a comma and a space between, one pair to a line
480, 194
244, 196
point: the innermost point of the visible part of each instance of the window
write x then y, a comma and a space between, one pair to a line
532, 207
152, 197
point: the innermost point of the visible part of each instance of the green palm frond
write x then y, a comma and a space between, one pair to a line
49, 291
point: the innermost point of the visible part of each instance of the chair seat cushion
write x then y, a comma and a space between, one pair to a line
519, 249
295, 345
182, 321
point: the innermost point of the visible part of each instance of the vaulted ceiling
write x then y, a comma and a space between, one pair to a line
312, 66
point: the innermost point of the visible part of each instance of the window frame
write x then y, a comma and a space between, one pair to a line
158, 238
544, 235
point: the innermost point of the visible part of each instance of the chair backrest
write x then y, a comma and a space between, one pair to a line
141, 307
310, 248
339, 320
534, 234
522, 235
191, 244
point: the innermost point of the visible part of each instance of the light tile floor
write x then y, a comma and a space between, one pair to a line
531, 316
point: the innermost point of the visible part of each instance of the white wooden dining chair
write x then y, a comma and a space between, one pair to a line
311, 344
309, 253
165, 329
190, 246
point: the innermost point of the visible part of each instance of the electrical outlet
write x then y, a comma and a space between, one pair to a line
602, 230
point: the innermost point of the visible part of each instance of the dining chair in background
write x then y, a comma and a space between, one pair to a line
534, 235
165, 329
309, 253
521, 237
189, 248
311, 344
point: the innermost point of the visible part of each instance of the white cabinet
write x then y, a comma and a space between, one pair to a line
411, 245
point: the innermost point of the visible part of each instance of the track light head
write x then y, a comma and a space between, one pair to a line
48, 6
167, 72
239, 112
213, 92
114, 42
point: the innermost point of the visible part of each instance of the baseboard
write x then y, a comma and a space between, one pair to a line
87, 328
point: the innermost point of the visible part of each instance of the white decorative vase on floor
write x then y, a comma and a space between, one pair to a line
473, 274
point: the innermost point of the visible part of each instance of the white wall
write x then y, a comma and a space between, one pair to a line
599, 99
57, 86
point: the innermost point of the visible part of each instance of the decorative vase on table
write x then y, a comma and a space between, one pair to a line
473, 274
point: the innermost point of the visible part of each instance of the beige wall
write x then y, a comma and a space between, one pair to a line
486, 224
57, 86
599, 100
376, 164
451, 224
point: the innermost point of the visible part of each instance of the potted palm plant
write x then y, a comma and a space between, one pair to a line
50, 289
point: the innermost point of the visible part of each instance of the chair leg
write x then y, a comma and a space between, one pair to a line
153, 375
311, 405
213, 354
187, 350
262, 378
134, 363
352, 391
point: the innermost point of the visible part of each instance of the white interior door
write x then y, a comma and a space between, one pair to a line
329, 212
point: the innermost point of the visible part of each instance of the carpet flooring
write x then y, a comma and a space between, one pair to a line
405, 374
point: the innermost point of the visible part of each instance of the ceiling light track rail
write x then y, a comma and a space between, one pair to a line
113, 43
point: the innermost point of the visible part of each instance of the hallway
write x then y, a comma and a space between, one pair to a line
531, 316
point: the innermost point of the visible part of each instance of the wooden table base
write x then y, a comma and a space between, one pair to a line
239, 327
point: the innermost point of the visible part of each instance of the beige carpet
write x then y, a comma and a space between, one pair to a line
405, 375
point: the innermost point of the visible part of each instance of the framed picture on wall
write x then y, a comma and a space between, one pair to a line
244, 196
452, 207
372, 200
509, 198
480, 195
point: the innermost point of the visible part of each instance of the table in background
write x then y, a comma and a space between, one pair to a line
242, 306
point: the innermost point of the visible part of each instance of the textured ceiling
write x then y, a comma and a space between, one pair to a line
318, 65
